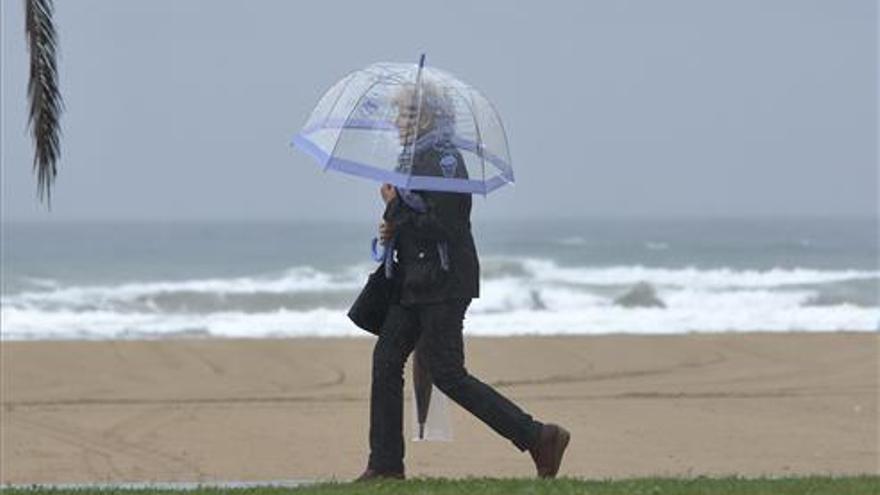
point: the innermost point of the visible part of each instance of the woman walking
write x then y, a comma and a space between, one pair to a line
435, 276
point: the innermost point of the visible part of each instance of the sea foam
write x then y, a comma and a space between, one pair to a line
519, 295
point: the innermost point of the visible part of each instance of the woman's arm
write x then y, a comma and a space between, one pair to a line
441, 219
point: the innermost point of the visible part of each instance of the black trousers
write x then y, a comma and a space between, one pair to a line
437, 330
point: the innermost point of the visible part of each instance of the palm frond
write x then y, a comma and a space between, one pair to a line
45, 99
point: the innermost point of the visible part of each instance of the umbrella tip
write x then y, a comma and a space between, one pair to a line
422, 61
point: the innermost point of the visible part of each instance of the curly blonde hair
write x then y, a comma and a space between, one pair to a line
435, 107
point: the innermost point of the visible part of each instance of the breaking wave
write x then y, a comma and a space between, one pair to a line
518, 296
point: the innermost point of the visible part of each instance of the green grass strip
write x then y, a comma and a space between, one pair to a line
812, 485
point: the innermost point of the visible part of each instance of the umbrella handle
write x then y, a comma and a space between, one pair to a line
377, 249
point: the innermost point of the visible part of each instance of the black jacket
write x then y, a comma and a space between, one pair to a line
419, 276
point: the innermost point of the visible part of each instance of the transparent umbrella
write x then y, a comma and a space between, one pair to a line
370, 122
373, 122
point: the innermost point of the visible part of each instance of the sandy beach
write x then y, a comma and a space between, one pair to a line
206, 410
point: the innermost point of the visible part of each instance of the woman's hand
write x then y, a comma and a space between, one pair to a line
386, 232
388, 193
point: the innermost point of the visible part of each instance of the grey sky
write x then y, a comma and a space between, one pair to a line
181, 110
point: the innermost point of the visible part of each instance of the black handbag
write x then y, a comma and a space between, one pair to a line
371, 306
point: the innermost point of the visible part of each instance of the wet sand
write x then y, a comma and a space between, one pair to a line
208, 410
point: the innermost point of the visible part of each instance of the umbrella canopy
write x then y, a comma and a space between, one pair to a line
372, 122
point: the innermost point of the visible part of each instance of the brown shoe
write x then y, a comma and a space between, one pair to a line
372, 474
547, 451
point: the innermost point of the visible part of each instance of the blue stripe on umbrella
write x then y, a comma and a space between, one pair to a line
384, 125
396, 178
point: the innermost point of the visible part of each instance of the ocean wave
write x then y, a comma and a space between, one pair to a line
29, 325
41, 283
573, 241
656, 246
518, 295
296, 280
548, 270
24, 324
